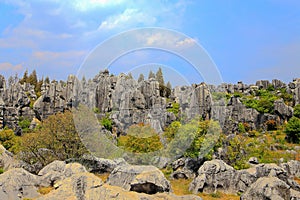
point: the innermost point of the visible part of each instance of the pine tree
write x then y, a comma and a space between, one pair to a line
169, 85
151, 75
141, 78
32, 79
47, 80
25, 77
160, 77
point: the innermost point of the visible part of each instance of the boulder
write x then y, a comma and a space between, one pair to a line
88, 186
283, 111
213, 175
267, 188
18, 184
143, 179
98, 165
292, 167
58, 170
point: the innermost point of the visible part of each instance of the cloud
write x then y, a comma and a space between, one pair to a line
6, 66
87, 5
127, 18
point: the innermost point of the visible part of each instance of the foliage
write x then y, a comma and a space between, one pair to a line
9, 140
236, 153
57, 139
217, 96
1, 170
107, 123
140, 139
96, 110
241, 128
174, 109
292, 130
171, 130
194, 139
297, 111
151, 75
24, 123
45, 190
263, 103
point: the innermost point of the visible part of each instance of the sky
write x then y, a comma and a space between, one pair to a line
245, 40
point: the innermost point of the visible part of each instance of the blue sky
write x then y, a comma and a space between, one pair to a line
247, 40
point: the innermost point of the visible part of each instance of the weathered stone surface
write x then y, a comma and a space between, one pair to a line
7, 160
213, 175
58, 170
88, 186
99, 165
18, 184
292, 167
145, 179
217, 175
268, 188
283, 111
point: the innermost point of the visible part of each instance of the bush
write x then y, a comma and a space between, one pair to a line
107, 123
174, 109
140, 139
24, 123
56, 139
292, 130
297, 111
9, 140
171, 130
241, 128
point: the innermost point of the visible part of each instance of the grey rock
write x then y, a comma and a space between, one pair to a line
58, 170
292, 167
18, 184
99, 165
283, 111
268, 188
145, 179
253, 160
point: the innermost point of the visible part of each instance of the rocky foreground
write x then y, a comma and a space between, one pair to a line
75, 181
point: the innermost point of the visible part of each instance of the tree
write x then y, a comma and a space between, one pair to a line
47, 80
297, 111
292, 130
56, 139
159, 77
141, 78
32, 79
151, 75
25, 77
169, 85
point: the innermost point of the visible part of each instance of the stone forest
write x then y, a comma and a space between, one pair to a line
256, 154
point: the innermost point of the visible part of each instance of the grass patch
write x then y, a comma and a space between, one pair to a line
103, 176
181, 186
219, 195
45, 190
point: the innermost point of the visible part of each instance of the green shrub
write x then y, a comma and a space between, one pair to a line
292, 130
140, 139
175, 109
1, 170
24, 123
241, 128
107, 123
297, 111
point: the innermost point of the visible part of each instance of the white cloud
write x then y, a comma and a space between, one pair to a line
87, 5
126, 19
6, 66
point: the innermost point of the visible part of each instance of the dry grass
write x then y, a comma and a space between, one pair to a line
103, 176
45, 190
181, 187
218, 195
297, 179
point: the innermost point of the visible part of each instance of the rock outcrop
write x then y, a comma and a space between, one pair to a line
267, 188
130, 102
145, 179
216, 175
